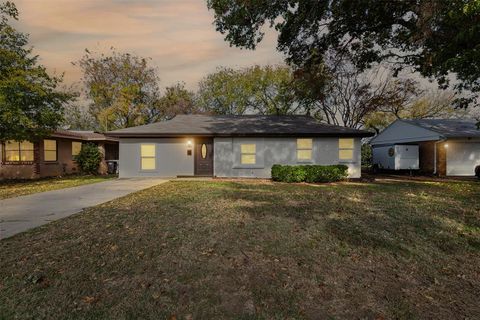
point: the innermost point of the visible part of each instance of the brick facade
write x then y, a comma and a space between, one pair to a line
40, 168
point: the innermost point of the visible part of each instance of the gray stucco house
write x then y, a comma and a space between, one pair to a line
234, 146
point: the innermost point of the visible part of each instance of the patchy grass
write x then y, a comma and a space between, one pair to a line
255, 250
15, 188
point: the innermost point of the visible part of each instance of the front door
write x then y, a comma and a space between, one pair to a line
204, 157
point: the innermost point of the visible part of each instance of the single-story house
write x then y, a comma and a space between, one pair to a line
234, 146
446, 147
52, 156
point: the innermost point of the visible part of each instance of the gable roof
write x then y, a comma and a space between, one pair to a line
449, 128
247, 125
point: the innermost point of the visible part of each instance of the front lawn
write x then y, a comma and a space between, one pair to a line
15, 188
391, 249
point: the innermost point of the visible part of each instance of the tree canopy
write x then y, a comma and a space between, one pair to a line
435, 37
31, 102
122, 88
261, 90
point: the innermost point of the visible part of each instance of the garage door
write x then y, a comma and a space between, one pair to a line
462, 158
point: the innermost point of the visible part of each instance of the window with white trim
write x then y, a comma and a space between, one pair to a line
50, 150
345, 149
147, 156
248, 153
304, 149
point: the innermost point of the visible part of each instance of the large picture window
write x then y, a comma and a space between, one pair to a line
76, 147
345, 149
50, 150
248, 153
147, 155
16, 151
304, 149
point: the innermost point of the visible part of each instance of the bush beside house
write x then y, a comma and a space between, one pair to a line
89, 158
309, 173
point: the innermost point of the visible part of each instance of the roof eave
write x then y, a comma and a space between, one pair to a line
361, 134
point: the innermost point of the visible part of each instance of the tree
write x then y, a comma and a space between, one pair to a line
77, 118
122, 87
31, 102
260, 90
435, 37
430, 104
177, 100
222, 93
341, 94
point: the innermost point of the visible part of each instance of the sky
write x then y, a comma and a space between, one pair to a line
178, 35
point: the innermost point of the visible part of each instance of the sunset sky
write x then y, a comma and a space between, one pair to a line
177, 35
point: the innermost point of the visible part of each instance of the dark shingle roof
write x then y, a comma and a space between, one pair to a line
81, 135
449, 128
249, 125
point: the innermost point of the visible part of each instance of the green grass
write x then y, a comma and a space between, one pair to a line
15, 188
391, 249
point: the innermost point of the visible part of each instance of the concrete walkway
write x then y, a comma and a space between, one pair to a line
26, 212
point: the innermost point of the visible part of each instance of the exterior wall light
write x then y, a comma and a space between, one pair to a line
446, 145
189, 147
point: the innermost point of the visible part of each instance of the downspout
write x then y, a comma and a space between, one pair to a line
435, 154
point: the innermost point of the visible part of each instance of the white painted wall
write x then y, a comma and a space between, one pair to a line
401, 132
171, 158
272, 151
462, 157
405, 157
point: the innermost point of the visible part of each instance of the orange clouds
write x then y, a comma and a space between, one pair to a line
177, 35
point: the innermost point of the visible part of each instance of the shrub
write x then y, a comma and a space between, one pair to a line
367, 160
309, 173
89, 158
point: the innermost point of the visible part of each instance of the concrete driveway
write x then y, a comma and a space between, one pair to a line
25, 212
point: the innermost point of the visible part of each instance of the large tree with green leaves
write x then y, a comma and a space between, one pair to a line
435, 37
31, 102
122, 88
260, 90
177, 100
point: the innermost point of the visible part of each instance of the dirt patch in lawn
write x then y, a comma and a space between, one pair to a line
255, 249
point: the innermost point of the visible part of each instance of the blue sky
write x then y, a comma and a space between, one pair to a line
177, 35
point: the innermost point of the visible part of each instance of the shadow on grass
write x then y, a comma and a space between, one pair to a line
251, 250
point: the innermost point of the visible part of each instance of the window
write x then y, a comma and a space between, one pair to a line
50, 150
16, 151
248, 153
345, 149
304, 149
76, 147
147, 155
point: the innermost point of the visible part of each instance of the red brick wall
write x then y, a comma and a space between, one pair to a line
426, 157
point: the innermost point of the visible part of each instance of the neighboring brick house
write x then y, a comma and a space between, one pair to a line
52, 156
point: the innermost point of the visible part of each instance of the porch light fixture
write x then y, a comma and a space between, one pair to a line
189, 144
446, 145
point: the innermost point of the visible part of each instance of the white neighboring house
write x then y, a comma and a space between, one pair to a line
446, 147
234, 146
